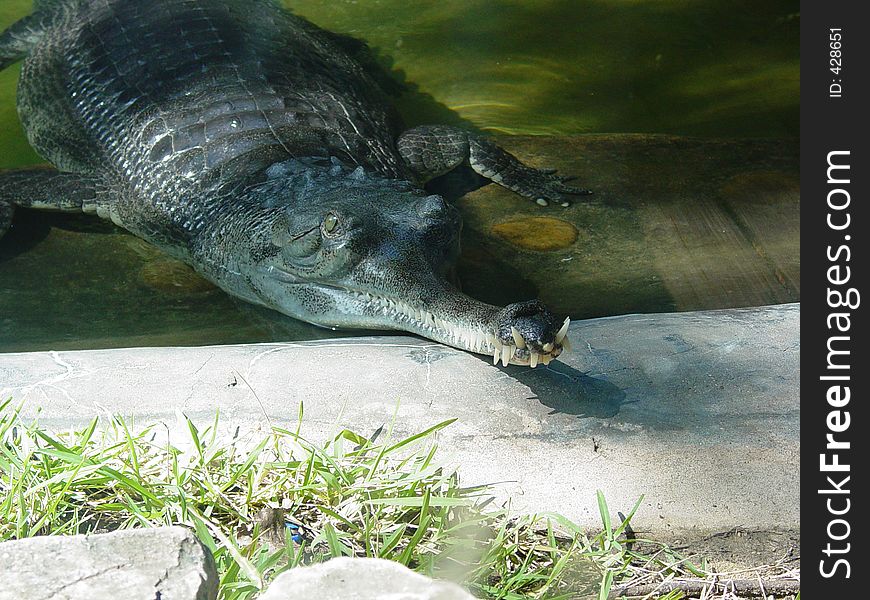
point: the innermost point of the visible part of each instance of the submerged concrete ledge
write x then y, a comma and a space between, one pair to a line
699, 412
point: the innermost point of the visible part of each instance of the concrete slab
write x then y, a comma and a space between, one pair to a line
699, 412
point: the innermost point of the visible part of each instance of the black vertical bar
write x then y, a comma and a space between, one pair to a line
834, 228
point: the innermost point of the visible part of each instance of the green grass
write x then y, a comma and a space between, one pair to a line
247, 497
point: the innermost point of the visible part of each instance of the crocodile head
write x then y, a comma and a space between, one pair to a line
345, 249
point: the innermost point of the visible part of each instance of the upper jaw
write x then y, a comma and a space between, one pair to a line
481, 330
446, 316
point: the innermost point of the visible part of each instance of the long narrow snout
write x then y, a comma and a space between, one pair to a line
376, 259
524, 333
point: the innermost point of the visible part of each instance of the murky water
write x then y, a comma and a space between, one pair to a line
675, 224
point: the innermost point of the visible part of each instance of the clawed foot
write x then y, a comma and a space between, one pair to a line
527, 334
545, 186
541, 185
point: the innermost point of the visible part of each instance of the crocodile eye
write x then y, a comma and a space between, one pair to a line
330, 223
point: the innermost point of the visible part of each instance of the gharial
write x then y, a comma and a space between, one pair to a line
257, 147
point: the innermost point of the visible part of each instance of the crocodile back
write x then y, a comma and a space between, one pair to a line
165, 95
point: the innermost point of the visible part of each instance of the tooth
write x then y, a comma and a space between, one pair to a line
506, 352
566, 346
518, 338
495, 354
560, 335
548, 347
546, 358
533, 362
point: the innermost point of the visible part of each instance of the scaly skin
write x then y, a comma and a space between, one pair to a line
252, 145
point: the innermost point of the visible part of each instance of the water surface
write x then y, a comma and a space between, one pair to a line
676, 223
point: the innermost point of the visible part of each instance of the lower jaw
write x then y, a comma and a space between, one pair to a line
480, 342
473, 330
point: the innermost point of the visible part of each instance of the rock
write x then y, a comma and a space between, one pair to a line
542, 234
168, 563
360, 579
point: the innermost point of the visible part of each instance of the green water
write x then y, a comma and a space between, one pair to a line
553, 69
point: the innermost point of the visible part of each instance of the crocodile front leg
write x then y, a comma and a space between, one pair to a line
46, 188
17, 40
432, 150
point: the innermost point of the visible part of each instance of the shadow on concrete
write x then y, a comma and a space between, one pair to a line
566, 390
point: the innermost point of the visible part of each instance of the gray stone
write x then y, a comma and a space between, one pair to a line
698, 412
167, 563
360, 579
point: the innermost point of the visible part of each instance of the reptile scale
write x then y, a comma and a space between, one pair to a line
260, 150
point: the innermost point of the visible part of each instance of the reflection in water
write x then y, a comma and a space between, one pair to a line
557, 67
